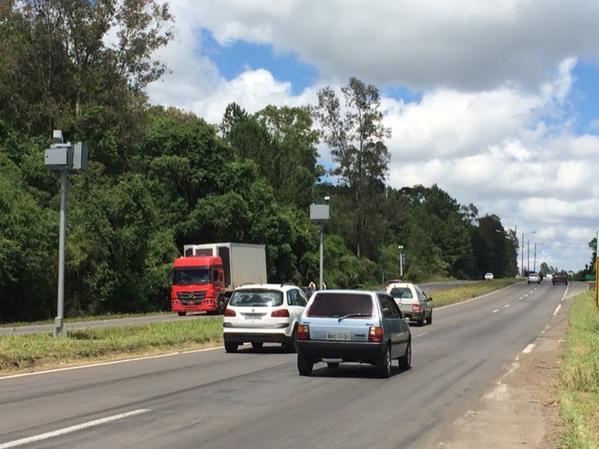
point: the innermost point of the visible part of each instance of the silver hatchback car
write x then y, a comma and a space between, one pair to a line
412, 301
353, 326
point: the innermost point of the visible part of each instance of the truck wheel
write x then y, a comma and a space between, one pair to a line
182, 313
231, 346
221, 305
304, 365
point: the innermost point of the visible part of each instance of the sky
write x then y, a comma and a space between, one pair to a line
496, 102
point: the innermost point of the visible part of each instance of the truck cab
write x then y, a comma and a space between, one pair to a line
198, 285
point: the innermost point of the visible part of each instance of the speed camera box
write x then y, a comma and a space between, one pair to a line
60, 158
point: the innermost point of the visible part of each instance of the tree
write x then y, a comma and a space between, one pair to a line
355, 134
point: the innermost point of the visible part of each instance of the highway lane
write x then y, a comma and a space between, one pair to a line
256, 400
139, 320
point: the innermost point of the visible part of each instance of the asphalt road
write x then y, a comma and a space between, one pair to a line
132, 321
210, 399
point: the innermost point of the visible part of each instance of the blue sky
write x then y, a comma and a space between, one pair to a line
498, 106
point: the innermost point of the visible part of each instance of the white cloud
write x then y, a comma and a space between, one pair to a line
417, 43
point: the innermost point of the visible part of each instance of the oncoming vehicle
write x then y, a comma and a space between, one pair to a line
534, 278
353, 326
489, 276
198, 285
263, 313
412, 301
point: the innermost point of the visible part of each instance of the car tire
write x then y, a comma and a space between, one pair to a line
430, 318
421, 320
291, 344
304, 365
257, 345
182, 313
383, 365
333, 365
231, 346
405, 361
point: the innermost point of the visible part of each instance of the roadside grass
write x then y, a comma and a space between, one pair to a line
108, 316
29, 351
579, 376
465, 292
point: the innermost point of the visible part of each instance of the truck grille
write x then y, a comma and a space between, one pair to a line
190, 297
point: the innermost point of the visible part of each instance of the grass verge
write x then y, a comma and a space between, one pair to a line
26, 352
465, 292
579, 376
108, 316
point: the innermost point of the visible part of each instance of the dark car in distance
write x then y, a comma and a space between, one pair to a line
560, 278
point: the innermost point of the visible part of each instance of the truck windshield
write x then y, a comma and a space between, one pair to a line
256, 298
336, 305
189, 276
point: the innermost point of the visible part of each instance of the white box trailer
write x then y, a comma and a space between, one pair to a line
242, 262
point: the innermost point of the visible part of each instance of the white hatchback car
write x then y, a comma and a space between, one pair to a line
412, 301
488, 276
263, 313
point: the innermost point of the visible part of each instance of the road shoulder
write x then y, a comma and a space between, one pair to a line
521, 410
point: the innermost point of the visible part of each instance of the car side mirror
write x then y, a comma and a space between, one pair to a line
430, 298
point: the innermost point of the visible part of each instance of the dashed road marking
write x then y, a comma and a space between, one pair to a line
71, 429
495, 311
559, 306
506, 306
528, 349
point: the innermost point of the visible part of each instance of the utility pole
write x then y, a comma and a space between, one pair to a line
534, 267
528, 255
522, 255
400, 261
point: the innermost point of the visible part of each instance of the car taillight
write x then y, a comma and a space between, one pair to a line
375, 334
303, 332
416, 308
281, 313
229, 312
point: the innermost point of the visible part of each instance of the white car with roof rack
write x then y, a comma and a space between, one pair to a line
263, 313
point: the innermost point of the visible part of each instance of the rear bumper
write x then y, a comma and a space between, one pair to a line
250, 337
413, 316
365, 352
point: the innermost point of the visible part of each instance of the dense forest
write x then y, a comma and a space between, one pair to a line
161, 177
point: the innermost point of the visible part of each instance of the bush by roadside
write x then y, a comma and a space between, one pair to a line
21, 352
464, 292
579, 376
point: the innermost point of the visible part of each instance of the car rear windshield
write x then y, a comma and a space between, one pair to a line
336, 305
256, 298
191, 275
401, 293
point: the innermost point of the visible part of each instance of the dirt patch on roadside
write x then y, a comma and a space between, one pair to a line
522, 409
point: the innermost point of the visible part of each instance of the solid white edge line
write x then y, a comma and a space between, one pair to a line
113, 362
71, 429
559, 306
448, 306
528, 349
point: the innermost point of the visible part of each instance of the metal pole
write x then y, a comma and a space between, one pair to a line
59, 330
534, 266
321, 254
401, 263
528, 255
522, 255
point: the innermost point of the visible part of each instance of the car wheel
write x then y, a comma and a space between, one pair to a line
257, 345
430, 318
291, 344
333, 364
421, 320
304, 365
182, 313
405, 362
383, 365
231, 346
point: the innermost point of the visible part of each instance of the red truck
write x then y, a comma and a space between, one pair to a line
206, 276
198, 285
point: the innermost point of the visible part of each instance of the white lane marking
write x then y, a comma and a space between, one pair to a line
559, 306
71, 429
114, 362
495, 311
521, 297
531, 292
525, 296
421, 335
476, 298
566, 292
506, 306
528, 349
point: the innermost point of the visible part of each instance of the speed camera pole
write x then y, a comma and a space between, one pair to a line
319, 214
63, 158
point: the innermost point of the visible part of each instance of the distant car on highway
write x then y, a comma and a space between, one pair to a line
534, 278
341, 326
412, 301
489, 276
263, 313
560, 278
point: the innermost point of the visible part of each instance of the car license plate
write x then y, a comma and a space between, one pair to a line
253, 316
340, 336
